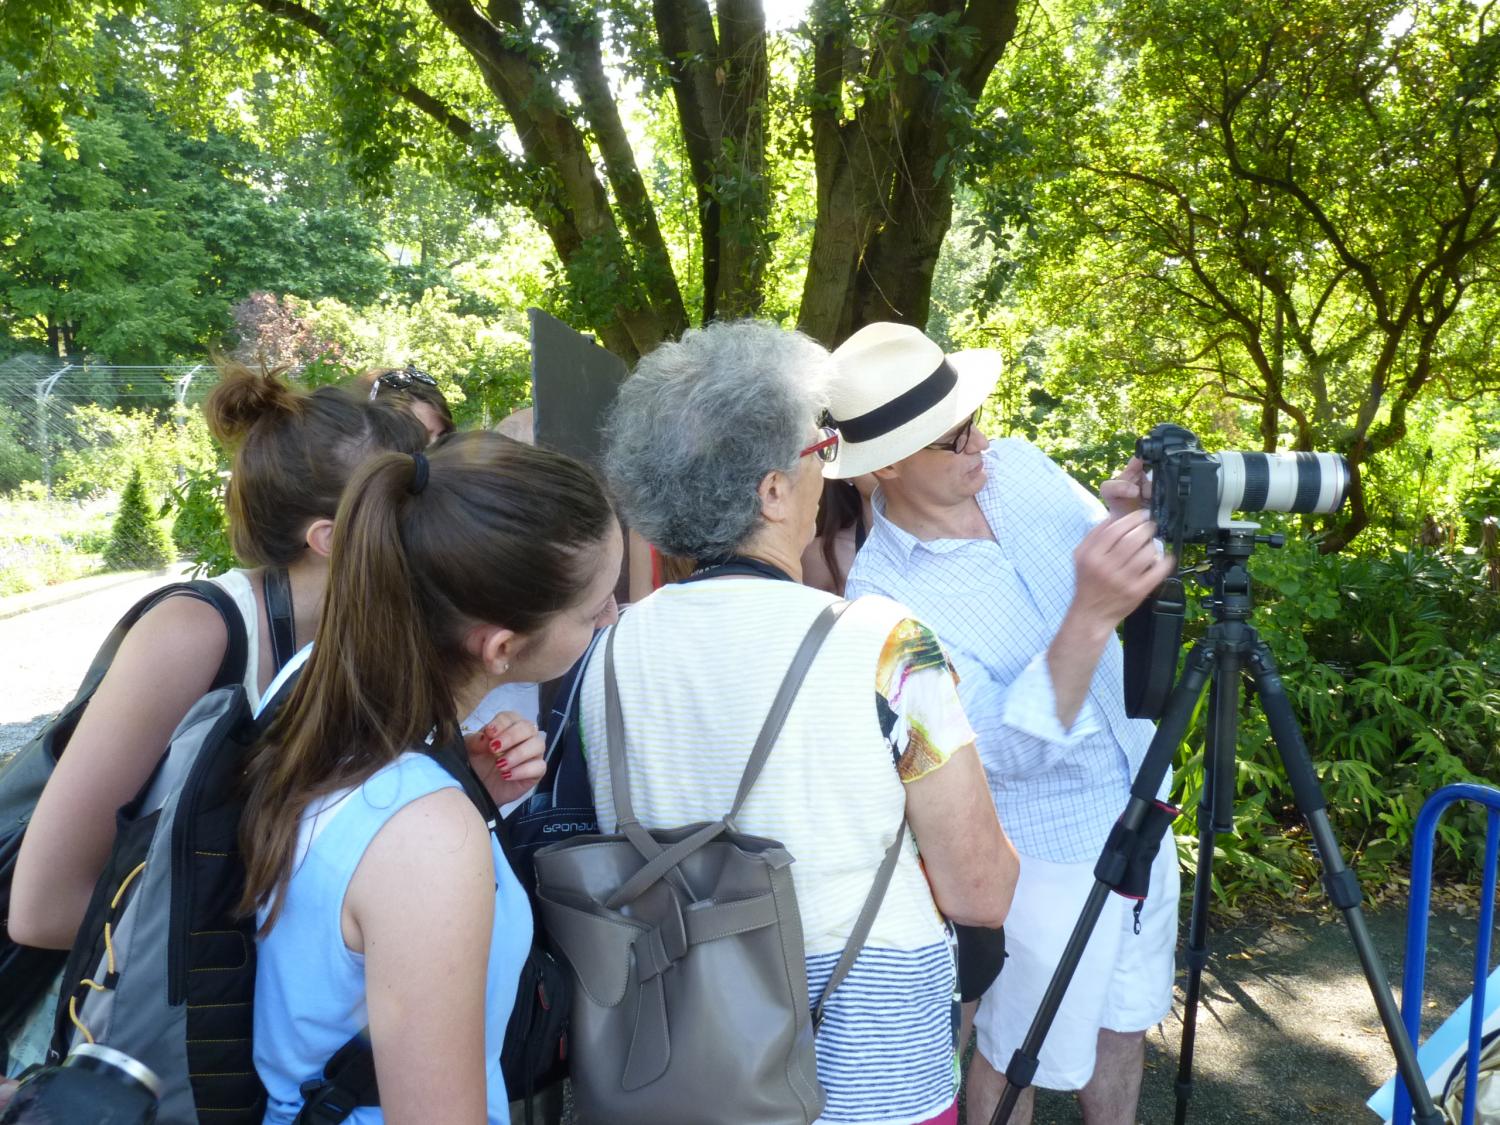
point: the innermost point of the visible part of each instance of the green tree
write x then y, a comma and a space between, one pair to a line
133, 246
1280, 216
92, 255
137, 541
514, 103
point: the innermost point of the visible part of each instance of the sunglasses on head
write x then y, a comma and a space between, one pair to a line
400, 380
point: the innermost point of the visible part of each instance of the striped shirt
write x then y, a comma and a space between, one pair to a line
698, 665
996, 605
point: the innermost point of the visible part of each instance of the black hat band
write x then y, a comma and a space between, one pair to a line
908, 405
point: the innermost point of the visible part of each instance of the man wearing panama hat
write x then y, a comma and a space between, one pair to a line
1024, 576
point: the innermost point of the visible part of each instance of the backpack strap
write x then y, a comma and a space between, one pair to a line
862, 924
237, 651
279, 615
791, 683
231, 668
665, 860
662, 862
348, 1082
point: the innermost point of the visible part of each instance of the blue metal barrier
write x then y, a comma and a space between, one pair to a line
1416, 928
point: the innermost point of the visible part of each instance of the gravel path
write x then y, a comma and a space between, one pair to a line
1287, 1031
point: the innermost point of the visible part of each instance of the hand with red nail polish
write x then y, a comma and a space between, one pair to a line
507, 755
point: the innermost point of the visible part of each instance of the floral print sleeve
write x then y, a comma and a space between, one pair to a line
916, 697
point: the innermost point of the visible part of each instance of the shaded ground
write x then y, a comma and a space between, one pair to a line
1287, 1031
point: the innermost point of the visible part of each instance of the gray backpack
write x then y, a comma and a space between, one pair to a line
691, 1002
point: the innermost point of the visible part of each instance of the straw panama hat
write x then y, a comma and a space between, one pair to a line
894, 391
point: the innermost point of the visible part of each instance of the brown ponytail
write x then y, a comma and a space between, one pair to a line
293, 453
500, 533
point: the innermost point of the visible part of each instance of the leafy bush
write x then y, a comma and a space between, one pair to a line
137, 541
200, 528
1392, 666
17, 463
112, 443
43, 542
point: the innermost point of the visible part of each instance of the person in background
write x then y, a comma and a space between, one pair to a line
714, 453
843, 522
413, 390
381, 895
1025, 576
519, 425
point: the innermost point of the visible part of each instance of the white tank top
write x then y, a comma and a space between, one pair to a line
236, 583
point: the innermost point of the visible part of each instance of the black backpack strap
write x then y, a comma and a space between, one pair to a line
348, 1082
279, 615
237, 650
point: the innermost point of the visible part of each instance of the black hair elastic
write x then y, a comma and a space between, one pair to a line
419, 474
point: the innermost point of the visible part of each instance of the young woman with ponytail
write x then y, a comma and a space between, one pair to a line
293, 454
382, 897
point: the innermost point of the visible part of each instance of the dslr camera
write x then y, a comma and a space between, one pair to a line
1194, 494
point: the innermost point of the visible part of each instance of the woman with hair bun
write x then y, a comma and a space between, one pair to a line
382, 897
293, 454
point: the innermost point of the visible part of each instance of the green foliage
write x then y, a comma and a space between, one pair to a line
200, 527
113, 444
17, 464
133, 244
482, 365
137, 541
44, 542
1245, 217
1392, 665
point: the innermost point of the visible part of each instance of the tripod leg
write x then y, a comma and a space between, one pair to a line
1341, 883
1154, 767
1215, 815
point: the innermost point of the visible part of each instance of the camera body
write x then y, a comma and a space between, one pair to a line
1194, 494
1184, 483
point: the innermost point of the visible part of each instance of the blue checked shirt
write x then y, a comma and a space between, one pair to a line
996, 605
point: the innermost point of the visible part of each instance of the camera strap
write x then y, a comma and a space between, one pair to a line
1153, 638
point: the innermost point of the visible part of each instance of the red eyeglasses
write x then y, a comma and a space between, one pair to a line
827, 445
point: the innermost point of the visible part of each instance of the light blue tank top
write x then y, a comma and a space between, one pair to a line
309, 986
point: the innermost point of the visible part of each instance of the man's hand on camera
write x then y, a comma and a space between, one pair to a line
1128, 490
1116, 565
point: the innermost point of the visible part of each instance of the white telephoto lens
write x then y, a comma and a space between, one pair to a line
1281, 482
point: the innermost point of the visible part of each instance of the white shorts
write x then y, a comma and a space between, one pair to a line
1123, 982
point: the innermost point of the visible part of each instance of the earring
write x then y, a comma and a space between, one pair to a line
504, 668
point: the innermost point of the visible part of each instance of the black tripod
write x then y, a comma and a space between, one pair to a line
1229, 646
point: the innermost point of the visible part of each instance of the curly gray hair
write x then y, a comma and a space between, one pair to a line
700, 424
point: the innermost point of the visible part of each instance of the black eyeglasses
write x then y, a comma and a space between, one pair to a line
399, 380
960, 438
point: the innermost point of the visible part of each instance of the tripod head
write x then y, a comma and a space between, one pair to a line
1153, 631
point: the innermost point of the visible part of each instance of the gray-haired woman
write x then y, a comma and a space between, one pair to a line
715, 453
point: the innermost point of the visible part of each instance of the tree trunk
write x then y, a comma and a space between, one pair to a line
885, 178
720, 83
580, 37
575, 212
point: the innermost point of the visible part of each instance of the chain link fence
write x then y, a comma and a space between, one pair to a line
42, 407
